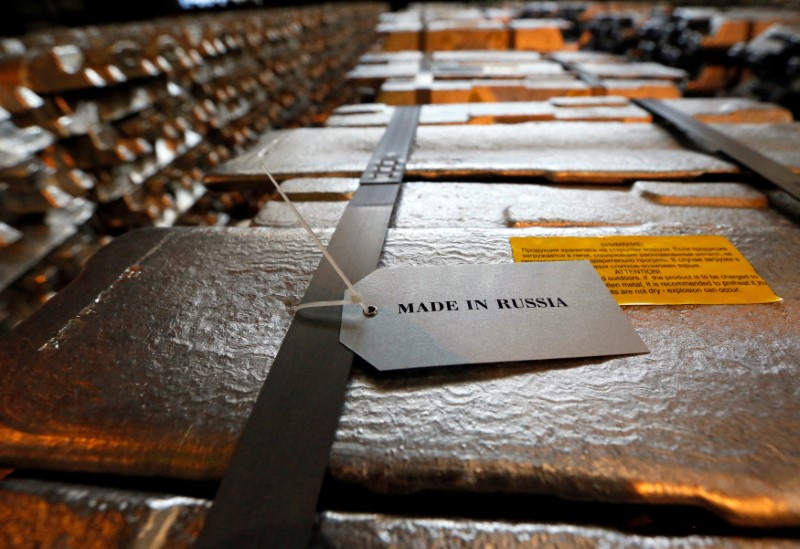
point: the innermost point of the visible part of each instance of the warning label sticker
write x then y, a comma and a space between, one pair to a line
658, 270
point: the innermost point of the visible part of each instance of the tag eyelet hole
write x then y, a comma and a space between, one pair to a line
371, 311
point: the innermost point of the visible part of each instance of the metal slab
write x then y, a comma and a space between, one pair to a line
558, 151
497, 205
680, 425
339, 529
492, 113
47, 514
39, 240
715, 110
638, 71
401, 92
44, 514
708, 110
707, 418
317, 214
775, 170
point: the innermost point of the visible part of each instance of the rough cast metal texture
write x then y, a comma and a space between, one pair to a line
401, 92
343, 530
318, 214
373, 73
151, 364
559, 151
440, 204
654, 71
46, 514
709, 110
708, 417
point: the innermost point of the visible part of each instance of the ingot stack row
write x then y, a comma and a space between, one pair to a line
109, 128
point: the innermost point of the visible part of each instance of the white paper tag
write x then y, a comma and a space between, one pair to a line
474, 314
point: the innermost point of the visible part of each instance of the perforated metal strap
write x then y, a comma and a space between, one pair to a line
268, 496
388, 162
717, 142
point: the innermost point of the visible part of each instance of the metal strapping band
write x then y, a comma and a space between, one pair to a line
268, 495
715, 141
389, 157
592, 80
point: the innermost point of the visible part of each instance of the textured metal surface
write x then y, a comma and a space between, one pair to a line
734, 110
655, 71
776, 170
489, 67
408, 92
8, 235
372, 530
46, 514
317, 214
708, 417
20, 144
39, 240
189, 384
633, 88
708, 110
489, 113
496, 205
585, 56
318, 188
268, 494
560, 151
400, 92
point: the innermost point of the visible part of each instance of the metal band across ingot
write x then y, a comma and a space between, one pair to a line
591, 80
268, 495
388, 162
715, 141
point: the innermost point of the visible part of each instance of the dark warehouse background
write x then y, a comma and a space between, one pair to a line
21, 16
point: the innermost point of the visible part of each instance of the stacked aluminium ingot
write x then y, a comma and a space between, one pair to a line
151, 362
123, 119
453, 55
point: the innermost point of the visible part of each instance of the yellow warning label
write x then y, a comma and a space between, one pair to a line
657, 270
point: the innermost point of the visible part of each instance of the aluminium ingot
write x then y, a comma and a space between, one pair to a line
20, 144
162, 369
350, 529
8, 234
619, 109
41, 513
584, 56
632, 71
39, 240
465, 35
19, 99
543, 35
414, 92
35, 201
51, 70
37, 513
603, 152
442, 204
374, 74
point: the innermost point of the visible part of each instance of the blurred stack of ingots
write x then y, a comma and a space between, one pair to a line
108, 128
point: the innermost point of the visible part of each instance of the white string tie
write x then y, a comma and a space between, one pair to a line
355, 297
